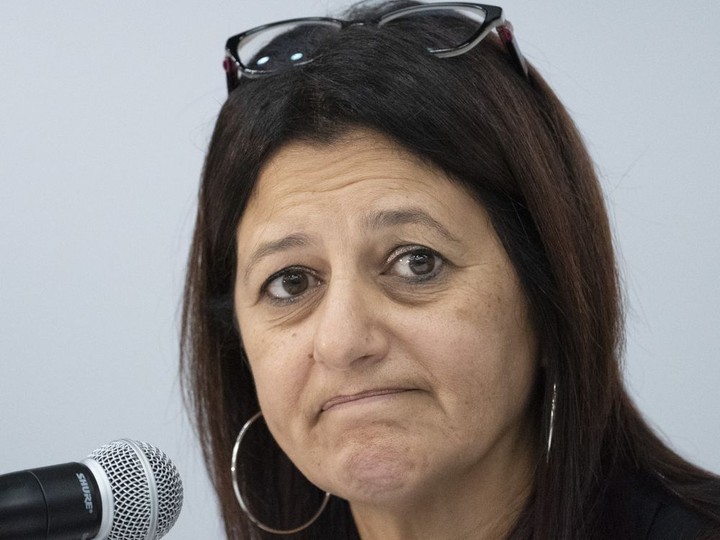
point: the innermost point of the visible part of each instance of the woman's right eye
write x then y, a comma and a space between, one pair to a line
289, 284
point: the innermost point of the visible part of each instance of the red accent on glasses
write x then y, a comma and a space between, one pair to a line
505, 34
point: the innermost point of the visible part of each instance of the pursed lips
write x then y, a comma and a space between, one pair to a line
341, 399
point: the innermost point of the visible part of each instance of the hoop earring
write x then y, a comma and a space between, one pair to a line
553, 405
241, 501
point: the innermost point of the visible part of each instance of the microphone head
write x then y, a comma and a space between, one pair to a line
147, 493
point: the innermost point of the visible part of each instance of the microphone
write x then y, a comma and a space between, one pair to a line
124, 490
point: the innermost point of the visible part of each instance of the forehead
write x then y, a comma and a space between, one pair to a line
360, 164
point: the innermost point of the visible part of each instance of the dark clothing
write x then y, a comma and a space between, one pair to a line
658, 515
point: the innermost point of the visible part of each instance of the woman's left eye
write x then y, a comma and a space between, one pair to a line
416, 263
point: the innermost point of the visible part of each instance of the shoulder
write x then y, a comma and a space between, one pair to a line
657, 514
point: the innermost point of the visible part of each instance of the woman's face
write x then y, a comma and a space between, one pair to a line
386, 330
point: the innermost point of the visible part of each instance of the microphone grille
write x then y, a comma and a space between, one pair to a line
136, 511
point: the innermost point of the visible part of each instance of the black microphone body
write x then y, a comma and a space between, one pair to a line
61, 502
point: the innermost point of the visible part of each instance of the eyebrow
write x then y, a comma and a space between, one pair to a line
407, 216
377, 220
275, 246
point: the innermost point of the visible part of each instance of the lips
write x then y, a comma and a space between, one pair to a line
341, 399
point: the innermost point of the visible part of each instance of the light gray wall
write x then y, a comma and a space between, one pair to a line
105, 113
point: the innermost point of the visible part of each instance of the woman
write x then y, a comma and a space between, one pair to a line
403, 261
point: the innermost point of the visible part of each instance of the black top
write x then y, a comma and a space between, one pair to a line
658, 515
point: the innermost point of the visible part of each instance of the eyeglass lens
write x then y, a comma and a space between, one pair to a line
441, 27
284, 45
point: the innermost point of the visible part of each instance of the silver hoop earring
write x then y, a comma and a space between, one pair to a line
553, 405
241, 501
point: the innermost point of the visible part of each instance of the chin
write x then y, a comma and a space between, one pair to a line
375, 474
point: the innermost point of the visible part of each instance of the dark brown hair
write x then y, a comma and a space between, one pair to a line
511, 143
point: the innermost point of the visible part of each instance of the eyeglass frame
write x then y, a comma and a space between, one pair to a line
494, 20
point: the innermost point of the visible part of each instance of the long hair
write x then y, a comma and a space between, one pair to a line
511, 143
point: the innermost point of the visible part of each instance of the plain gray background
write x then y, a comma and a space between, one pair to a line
105, 113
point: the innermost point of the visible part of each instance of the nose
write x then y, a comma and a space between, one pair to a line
350, 330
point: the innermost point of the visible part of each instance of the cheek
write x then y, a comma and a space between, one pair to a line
280, 373
484, 354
